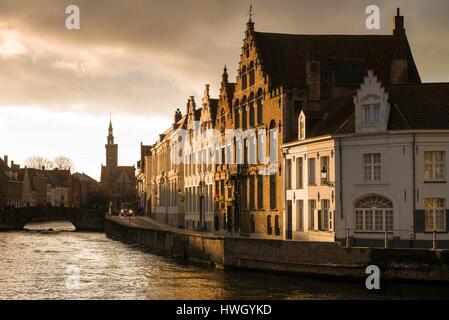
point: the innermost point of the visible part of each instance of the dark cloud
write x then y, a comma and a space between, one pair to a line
147, 57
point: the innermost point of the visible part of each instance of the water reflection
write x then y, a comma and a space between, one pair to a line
34, 264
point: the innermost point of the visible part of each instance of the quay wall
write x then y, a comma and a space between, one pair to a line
296, 257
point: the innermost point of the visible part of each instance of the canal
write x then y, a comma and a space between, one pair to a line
52, 261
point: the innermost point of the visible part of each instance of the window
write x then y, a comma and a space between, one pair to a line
277, 228
252, 187
374, 213
299, 215
288, 174
244, 112
253, 224
312, 207
244, 78
366, 114
324, 170
237, 114
371, 114
273, 142
259, 106
299, 173
259, 191
372, 167
252, 141
312, 173
324, 219
251, 110
269, 225
435, 217
434, 165
244, 192
251, 73
273, 191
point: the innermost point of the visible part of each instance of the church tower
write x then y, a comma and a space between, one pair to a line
111, 149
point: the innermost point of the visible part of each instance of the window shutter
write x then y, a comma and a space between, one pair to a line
420, 223
447, 220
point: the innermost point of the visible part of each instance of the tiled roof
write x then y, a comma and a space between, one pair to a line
284, 56
338, 117
413, 106
424, 106
112, 175
83, 177
58, 178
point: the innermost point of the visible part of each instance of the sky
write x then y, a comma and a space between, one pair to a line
140, 60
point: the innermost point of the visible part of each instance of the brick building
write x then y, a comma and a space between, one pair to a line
280, 78
10, 185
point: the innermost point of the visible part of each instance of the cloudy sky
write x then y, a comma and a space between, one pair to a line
140, 60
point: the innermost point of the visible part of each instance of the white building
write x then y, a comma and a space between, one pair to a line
164, 178
372, 166
198, 161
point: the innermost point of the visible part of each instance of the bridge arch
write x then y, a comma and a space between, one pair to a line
82, 219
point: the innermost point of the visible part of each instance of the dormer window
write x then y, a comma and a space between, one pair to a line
372, 108
371, 114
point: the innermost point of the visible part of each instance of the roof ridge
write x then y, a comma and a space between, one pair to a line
325, 35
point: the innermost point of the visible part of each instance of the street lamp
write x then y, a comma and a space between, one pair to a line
201, 185
324, 175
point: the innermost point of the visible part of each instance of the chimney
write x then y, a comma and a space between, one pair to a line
399, 63
178, 116
313, 74
5, 158
191, 105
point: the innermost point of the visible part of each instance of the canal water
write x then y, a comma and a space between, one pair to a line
52, 261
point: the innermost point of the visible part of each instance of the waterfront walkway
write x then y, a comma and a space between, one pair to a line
149, 223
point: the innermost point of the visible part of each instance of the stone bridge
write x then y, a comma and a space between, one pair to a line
82, 219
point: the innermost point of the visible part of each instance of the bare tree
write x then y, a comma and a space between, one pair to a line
38, 162
63, 163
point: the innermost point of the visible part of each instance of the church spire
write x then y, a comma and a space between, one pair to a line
111, 131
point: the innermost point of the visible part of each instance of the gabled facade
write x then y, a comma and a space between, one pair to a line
10, 185
384, 177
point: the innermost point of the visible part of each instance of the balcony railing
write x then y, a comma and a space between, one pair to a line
388, 237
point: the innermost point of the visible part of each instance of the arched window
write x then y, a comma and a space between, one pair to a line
251, 110
374, 213
259, 106
269, 225
253, 224
237, 114
277, 228
251, 73
244, 78
244, 112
